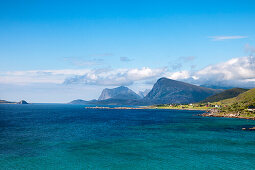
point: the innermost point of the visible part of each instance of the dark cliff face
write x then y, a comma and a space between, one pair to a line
22, 102
172, 91
118, 93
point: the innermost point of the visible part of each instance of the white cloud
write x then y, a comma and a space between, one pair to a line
125, 59
116, 77
221, 38
38, 76
234, 69
236, 72
239, 72
104, 77
179, 75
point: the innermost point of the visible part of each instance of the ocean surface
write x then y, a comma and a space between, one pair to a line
62, 136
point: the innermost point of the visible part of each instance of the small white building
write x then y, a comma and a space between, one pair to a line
251, 108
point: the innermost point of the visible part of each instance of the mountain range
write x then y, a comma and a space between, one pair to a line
164, 91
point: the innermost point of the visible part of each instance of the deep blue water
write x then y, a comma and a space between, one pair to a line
61, 136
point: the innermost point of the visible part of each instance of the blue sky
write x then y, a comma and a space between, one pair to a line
151, 39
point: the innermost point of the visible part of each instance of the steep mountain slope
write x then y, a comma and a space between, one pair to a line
226, 94
172, 91
121, 92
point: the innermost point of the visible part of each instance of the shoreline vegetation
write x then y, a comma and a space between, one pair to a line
218, 109
214, 110
242, 106
211, 110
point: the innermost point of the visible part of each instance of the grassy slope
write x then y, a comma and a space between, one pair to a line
238, 105
230, 93
234, 106
245, 99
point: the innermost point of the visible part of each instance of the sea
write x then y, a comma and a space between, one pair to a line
65, 136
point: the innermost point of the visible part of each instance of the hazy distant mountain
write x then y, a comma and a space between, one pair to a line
7, 102
142, 94
121, 92
226, 94
118, 102
79, 101
172, 91
22, 102
116, 96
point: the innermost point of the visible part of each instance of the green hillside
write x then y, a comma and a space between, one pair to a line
239, 104
226, 94
246, 99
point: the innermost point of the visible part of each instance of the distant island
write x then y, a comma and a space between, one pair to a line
8, 102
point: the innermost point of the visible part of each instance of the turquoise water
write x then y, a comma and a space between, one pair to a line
51, 136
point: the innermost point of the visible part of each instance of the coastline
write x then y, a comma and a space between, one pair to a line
210, 113
144, 107
227, 115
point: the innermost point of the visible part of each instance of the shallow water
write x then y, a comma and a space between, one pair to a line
59, 136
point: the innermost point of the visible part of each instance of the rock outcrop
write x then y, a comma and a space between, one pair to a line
122, 93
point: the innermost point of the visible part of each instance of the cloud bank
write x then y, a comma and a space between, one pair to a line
236, 72
116, 77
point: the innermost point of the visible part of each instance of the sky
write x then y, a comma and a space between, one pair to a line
58, 51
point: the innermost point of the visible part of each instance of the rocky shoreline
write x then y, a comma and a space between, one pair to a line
230, 115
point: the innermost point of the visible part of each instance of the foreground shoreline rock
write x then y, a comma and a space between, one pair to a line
228, 115
249, 129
